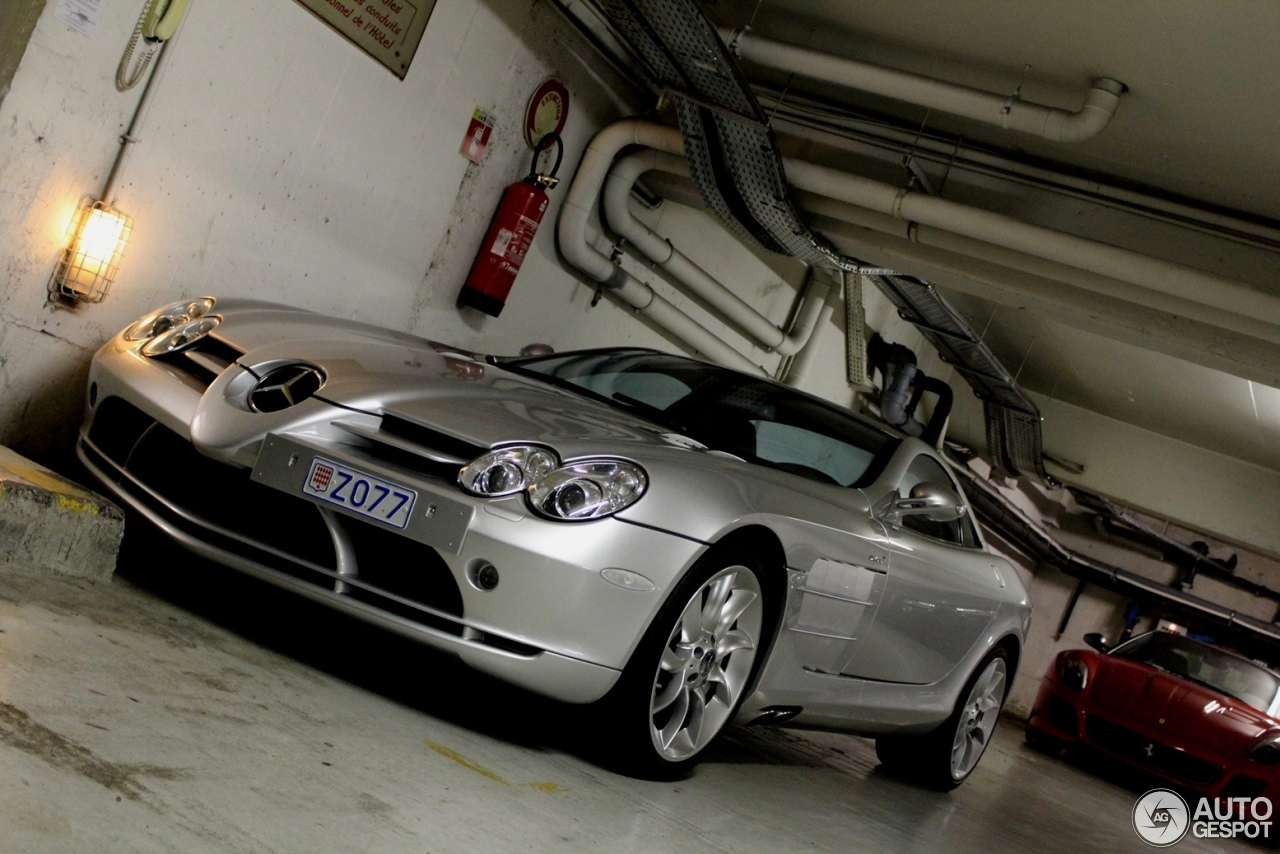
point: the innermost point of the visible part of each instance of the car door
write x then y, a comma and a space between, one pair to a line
941, 592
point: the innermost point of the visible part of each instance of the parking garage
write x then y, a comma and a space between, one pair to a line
1039, 242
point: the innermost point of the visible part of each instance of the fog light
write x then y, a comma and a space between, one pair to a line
486, 576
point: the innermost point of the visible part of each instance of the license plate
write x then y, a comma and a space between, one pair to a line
359, 492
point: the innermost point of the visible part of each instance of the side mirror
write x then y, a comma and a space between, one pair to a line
933, 501
1097, 641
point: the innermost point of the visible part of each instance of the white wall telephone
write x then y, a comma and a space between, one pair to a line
158, 22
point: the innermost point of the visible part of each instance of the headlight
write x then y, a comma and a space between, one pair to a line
1267, 753
163, 319
588, 490
181, 336
1074, 673
506, 471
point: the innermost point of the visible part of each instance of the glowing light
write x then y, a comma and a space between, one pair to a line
86, 269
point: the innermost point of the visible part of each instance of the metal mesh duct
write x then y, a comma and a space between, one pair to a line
735, 163
855, 334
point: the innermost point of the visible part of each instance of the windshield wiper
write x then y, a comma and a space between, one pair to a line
653, 413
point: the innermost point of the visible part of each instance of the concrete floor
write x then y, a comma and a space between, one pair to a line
219, 715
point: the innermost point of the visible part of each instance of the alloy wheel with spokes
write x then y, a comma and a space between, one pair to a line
944, 758
694, 665
978, 718
706, 662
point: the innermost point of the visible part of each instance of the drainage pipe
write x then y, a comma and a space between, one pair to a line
1251, 310
1007, 111
659, 250
572, 238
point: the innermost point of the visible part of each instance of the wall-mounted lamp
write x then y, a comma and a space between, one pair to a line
87, 267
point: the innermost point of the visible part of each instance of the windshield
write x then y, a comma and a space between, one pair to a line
752, 418
1222, 671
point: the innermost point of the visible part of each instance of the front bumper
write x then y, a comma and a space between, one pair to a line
1066, 719
553, 624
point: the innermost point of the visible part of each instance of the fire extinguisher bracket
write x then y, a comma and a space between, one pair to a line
511, 232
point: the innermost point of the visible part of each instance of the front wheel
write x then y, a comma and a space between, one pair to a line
691, 669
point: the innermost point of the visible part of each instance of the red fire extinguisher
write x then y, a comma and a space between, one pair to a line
510, 234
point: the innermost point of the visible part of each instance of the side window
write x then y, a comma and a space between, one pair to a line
926, 469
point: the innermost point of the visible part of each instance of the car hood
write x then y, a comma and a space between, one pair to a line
453, 391
1185, 712
466, 397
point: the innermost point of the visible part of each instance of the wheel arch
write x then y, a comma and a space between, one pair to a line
1013, 654
766, 543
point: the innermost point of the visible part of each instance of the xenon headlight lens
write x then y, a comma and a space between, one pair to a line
506, 471
1075, 674
588, 489
163, 319
181, 336
1267, 753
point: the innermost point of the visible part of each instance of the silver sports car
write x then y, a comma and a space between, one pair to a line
684, 544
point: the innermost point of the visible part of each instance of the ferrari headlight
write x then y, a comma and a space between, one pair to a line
588, 490
506, 471
163, 319
181, 336
1267, 753
1074, 673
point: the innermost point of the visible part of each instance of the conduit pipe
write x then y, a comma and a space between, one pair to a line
660, 251
572, 237
1007, 111
1251, 310
930, 220
996, 511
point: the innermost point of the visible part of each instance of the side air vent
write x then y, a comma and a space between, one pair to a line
285, 386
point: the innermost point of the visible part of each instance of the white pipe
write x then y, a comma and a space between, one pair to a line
1250, 309
793, 121
571, 235
1009, 112
659, 250
1105, 269
798, 372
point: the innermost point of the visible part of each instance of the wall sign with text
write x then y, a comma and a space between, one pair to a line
387, 30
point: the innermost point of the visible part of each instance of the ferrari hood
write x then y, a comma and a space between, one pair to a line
1186, 711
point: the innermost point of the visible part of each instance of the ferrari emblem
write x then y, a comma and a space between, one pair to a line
1150, 749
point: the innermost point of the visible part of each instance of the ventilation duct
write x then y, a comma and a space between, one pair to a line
735, 163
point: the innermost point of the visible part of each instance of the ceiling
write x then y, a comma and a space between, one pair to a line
1197, 125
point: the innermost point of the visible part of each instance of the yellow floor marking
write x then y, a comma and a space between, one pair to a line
465, 762
550, 788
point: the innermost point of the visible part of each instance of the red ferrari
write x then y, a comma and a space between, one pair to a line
1198, 716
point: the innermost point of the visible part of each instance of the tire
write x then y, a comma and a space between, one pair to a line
690, 672
944, 758
1043, 743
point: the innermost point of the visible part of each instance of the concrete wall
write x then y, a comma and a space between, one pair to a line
277, 161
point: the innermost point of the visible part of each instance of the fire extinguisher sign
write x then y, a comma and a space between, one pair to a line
476, 139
